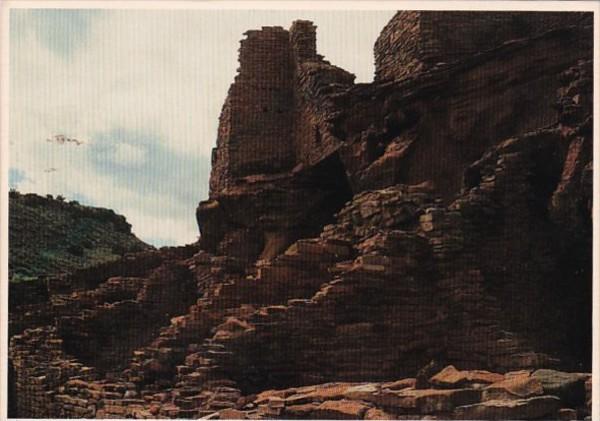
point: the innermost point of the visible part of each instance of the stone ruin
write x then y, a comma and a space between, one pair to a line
418, 247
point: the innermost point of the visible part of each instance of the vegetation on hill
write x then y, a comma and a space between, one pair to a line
50, 235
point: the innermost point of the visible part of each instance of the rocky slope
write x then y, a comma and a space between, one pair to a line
414, 248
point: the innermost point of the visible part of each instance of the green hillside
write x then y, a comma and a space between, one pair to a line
49, 235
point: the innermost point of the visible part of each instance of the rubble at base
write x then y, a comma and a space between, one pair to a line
401, 400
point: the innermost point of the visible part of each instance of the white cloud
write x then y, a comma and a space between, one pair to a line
126, 154
161, 72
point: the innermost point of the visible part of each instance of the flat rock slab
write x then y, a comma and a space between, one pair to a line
302, 411
400, 384
426, 401
450, 377
570, 387
341, 410
520, 409
362, 392
319, 393
514, 387
231, 414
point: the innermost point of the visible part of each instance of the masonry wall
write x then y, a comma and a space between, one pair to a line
260, 101
430, 128
414, 41
277, 112
274, 128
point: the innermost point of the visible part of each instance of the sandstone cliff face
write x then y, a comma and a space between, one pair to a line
418, 247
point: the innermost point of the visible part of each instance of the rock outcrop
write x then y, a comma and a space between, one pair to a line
414, 248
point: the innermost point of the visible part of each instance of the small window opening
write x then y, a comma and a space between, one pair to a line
317, 135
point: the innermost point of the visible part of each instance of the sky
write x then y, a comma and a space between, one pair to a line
142, 89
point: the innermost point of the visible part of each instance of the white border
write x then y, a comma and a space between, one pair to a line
312, 5
591, 6
4, 211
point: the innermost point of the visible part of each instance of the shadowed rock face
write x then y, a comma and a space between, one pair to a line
415, 247
416, 41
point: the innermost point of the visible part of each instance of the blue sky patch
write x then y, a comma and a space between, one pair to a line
62, 31
15, 176
161, 171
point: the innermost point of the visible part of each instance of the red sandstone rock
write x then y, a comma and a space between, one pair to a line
400, 384
514, 387
532, 408
451, 377
232, 414
364, 392
302, 411
321, 267
342, 409
377, 414
570, 387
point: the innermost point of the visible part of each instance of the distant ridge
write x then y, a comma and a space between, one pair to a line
50, 235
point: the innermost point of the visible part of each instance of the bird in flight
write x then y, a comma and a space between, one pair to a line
61, 139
